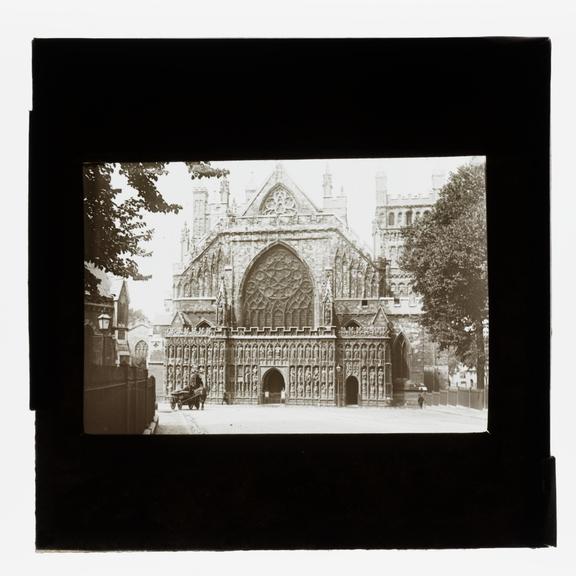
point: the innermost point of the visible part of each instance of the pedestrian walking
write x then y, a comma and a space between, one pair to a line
421, 400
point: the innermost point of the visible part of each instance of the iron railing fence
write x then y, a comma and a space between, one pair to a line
118, 400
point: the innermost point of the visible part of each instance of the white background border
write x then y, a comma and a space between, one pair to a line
20, 21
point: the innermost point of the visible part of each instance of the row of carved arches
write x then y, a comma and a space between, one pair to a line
195, 352
366, 352
311, 382
400, 289
373, 383
283, 352
395, 252
354, 277
179, 376
406, 218
202, 279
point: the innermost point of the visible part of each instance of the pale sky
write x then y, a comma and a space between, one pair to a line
356, 176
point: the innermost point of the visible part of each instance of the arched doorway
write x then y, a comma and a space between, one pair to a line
401, 358
273, 387
351, 391
400, 367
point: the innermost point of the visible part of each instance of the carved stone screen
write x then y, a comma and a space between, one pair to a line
278, 291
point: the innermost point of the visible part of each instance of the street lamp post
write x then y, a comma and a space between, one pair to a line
104, 325
338, 384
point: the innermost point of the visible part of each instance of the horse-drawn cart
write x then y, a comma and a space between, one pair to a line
192, 396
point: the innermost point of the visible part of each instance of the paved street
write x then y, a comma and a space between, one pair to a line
279, 419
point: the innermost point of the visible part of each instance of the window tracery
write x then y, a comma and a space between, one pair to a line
279, 203
278, 291
140, 353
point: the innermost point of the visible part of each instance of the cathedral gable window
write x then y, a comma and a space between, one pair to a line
278, 291
279, 203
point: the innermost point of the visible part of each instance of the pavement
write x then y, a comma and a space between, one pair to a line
281, 419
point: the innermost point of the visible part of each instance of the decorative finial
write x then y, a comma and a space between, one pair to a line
279, 171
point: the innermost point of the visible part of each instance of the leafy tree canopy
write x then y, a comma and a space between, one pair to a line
114, 226
446, 254
137, 316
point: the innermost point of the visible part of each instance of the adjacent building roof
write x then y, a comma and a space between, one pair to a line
109, 286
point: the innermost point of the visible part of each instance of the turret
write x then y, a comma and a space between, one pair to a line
381, 189
224, 191
380, 217
184, 242
341, 206
334, 205
327, 183
200, 214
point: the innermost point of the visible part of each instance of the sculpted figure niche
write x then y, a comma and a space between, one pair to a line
278, 291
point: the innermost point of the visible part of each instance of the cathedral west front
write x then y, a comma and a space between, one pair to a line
279, 302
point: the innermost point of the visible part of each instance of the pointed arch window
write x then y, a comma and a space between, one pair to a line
278, 291
140, 354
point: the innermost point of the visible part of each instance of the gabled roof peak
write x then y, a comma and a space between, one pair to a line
279, 178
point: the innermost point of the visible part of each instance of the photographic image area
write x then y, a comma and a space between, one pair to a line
339, 296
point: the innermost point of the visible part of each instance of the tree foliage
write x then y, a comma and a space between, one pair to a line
137, 316
114, 222
446, 254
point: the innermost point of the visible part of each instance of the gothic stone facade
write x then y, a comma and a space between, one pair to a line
279, 301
